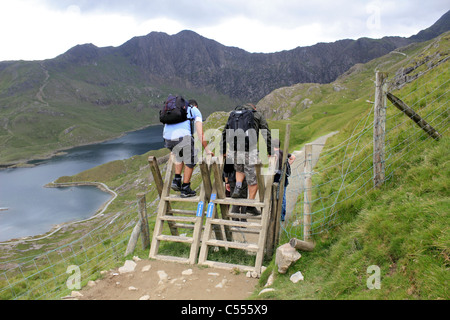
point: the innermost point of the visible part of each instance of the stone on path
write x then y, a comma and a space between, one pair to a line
129, 266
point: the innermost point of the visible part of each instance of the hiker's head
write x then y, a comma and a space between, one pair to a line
193, 103
276, 143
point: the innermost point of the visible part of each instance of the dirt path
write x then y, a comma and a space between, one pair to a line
170, 281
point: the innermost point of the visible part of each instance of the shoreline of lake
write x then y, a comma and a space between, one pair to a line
24, 163
98, 213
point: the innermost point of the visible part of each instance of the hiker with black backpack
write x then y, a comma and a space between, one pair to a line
181, 119
241, 133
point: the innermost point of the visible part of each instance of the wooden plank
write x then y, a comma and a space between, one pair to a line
277, 214
228, 266
162, 208
179, 219
244, 216
144, 221
157, 179
414, 116
265, 216
231, 244
163, 237
180, 211
241, 202
232, 223
171, 258
260, 179
177, 198
302, 245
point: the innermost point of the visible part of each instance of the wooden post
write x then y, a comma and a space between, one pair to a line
302, 245
157, 178
414, 116
144, 222
307, 193
282, 183
133, 238
379, 130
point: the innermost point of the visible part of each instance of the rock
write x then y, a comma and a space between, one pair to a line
136, 259
129, 266
91, 284
214, 274
221, 285
266, 290
270, 280
146, 297
187, 272
285, 256
248, 274
163, 277
76, 294
146, 268
132, 288
296, 277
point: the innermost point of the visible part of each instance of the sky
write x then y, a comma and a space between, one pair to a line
44, 29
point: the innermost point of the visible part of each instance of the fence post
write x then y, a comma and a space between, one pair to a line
379, 129
307, 203
144, 222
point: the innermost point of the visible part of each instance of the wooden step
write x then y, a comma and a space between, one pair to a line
240, 202
177, 198
243, 230
232, 223
236, 245
178, 219
244, 216
171, 258
179, 211
228, 266
163, 237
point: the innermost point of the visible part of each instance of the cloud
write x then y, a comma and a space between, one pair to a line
40, 29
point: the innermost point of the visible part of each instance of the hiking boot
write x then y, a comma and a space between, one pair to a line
239, 192
176, 184
253, 211
187, 192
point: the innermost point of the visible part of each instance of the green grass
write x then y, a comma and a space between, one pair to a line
402, 227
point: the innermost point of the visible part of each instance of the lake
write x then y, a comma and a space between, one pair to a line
34, 210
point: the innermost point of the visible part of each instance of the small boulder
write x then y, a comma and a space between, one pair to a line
285, 256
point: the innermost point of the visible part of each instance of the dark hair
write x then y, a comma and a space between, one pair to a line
192, 102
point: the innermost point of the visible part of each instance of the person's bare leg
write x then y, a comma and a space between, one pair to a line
179, 167
240, 176
187, 174
252, 190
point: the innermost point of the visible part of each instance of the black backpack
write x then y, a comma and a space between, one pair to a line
243, 119
174, 110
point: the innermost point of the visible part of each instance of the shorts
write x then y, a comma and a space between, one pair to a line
184, 150
245, 162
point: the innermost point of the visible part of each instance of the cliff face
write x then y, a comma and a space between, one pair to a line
243, 76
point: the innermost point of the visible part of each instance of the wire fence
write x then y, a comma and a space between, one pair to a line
344, 172
342, 175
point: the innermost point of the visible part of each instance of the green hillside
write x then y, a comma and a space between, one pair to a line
401, 228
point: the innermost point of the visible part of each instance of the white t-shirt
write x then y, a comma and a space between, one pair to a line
182, 129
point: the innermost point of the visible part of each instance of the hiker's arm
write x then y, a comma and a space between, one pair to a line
201, 136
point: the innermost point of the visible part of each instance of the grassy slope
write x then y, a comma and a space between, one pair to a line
80, 105
402, 228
